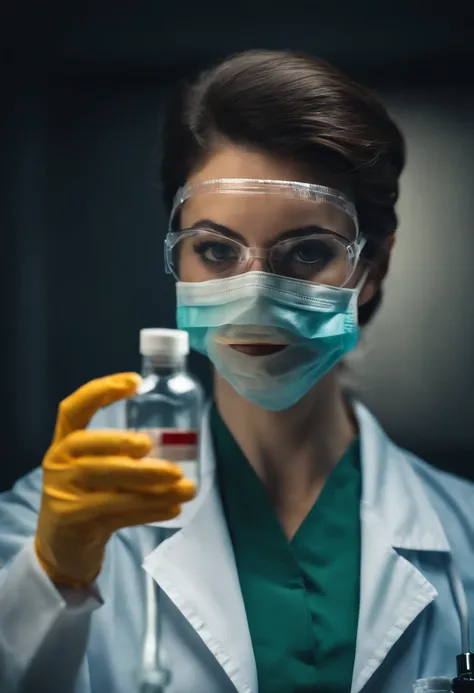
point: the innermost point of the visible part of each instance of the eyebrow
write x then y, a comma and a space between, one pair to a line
283, 236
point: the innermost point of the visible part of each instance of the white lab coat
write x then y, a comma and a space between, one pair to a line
414, 520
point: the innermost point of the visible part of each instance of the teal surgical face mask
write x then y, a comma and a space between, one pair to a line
316, 323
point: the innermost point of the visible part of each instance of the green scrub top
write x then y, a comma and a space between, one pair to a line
301, 597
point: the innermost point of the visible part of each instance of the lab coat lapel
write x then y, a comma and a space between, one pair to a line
395, 514
393, 593
196, 568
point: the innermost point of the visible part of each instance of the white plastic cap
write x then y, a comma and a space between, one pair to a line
157, 341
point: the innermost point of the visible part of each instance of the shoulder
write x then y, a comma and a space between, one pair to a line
452, 496
25, 493
423, 506
392, 469
18, 514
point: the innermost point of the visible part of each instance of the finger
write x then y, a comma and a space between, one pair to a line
142, 517
102, 473
114, 442
106, 504
180, 491
77, 410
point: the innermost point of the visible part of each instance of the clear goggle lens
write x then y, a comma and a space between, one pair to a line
201, 255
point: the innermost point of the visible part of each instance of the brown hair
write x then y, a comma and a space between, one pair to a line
295, 106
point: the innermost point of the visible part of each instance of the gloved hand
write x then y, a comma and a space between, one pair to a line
95, 482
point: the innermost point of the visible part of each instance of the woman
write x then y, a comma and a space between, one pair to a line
317, 556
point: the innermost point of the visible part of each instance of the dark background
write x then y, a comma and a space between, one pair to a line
82, 226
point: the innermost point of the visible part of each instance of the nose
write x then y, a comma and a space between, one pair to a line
257, 263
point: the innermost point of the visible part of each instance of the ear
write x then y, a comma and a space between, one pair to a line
378, 268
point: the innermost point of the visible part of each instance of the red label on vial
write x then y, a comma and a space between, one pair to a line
179, 438
174, 445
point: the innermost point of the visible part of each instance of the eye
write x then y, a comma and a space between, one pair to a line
311, 251
215, 252
307, 258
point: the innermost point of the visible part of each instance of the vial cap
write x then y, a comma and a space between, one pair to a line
159, 341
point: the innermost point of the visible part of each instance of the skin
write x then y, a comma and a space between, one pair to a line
292, 451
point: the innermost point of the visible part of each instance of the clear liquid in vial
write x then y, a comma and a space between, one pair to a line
168, 407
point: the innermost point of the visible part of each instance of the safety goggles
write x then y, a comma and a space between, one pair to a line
326, 251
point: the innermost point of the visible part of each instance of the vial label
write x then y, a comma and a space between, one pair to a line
176, 445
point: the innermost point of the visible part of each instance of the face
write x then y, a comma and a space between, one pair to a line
290, 235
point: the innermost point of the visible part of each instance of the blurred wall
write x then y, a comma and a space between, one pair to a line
415, 366
83, 224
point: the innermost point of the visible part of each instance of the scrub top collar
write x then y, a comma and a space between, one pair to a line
391, 489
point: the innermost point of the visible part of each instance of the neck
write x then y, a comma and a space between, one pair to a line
292, 451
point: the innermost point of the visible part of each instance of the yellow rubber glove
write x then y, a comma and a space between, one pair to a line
96, 482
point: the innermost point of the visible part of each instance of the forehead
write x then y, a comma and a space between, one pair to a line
229, 161
257, 212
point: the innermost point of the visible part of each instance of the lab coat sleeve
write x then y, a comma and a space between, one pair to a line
43, 631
